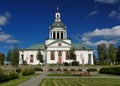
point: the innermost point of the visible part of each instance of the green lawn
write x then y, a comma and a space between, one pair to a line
60, 74
81, 82
17, 81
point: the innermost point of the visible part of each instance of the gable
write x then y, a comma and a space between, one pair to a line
59, 43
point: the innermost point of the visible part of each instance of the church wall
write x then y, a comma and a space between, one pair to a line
27, 54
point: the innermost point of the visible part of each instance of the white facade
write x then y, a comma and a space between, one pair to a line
56, 48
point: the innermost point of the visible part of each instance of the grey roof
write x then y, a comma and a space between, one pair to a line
57, 24
42, 46
37, 46
80, 47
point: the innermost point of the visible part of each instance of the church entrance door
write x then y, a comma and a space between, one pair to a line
59, 57
59, 60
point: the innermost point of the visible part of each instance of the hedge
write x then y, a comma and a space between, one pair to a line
28, 71
8, 76
38, 69
110, 70
91, 69
75, 63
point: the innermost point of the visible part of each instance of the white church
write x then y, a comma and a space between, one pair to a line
56, 48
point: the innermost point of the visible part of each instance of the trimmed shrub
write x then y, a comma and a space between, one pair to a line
66, 64
58, 70
18, 70
75, 63
38, 69
91, 69
72, 70
79, 69
28, 71
110, 70
8, 76
51, 69
65, 69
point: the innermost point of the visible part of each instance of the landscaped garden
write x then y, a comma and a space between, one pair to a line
12, 76
80, 82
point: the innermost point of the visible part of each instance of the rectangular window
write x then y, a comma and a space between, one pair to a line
52, 55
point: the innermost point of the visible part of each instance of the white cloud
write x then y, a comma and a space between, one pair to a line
107, 1
12, 41
4, 18
110, 35
7, 38
93, 13
114, 14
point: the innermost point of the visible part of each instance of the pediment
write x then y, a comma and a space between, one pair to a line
59, 43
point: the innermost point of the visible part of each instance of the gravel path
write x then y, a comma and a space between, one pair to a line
35, 81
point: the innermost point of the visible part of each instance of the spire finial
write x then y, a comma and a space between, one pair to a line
57, 9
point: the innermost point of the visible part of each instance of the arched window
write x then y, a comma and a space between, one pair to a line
52, 55
31, 58
67, 55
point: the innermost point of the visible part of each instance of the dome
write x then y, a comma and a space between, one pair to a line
58, 25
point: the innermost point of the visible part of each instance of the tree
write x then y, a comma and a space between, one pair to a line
15, 56
72, 54
118, 55
2, 57
9, 56
111, 53
40, 56
102, 53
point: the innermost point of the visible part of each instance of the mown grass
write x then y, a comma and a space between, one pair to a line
60, 74
80, 82
17, 81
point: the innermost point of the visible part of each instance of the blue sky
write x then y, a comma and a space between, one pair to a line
90, 22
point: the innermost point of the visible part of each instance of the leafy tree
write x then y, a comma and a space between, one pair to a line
118, 55
9, 56
102, 53
2, 57
15, 56
111, 53
72, 54
40, 56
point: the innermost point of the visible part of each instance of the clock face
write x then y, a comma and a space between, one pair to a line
59, 44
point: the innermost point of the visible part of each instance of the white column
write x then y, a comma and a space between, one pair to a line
59, 34
55, 34
52, 34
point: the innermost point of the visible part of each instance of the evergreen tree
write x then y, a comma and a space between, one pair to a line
9, 56
2, 57
72, 54
111, 53
40, 56
15, 56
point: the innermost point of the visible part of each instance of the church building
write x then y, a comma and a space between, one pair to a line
56, 48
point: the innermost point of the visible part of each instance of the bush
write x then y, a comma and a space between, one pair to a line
79, 69
75, 63
18, 70
91, 69
58, 70
65, 69
38, 69
51, 69
72, 69
66, 64
8, 76
110, 70
28, 71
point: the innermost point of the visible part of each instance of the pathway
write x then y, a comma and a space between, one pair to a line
34, 81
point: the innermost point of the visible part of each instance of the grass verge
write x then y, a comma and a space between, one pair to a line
80, 82
17, 81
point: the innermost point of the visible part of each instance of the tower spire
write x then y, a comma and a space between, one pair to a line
57, 14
